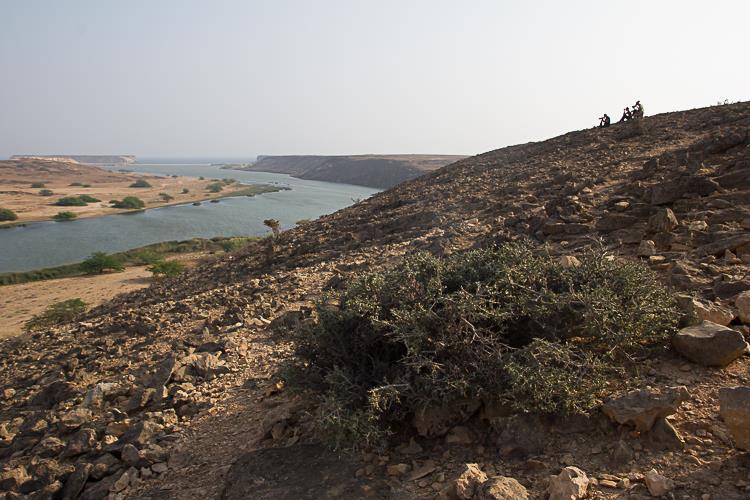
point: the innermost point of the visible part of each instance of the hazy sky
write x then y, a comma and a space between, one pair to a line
241, 77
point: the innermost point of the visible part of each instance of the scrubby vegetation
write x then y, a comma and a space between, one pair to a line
214, 187
63, 216
71, 201
45, 192
37, 185
166, 268
60, 312
88, 199
185, 190
99, 262
509, 324
166, 196
136, 257
7, 214
76, 184
141, 183
129, 202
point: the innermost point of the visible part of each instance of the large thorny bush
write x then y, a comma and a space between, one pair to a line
508, 324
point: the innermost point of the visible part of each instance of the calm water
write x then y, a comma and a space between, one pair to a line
47, 244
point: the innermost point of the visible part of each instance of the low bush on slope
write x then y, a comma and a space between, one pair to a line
508, 324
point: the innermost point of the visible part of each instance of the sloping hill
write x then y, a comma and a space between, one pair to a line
192, 362
379, 171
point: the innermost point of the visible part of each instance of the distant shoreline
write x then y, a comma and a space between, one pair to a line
63, 180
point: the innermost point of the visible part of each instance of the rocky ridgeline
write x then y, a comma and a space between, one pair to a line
158, 392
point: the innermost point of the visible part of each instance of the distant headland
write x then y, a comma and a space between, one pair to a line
85, 159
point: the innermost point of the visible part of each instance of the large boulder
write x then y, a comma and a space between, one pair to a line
502, 488
673, 189
663, 221
698, 311
469, 481
657, 484
709, 344
641, 408
570, 484
612, 222
734, 407
742, 302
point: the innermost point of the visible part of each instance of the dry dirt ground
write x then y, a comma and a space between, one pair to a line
16, 193
18, 303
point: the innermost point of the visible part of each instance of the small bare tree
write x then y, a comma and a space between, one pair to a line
274, 225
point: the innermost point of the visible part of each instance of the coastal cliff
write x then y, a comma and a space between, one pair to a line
379, 171
86, 159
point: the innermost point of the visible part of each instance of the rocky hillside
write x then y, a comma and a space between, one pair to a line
175, 391
379, 171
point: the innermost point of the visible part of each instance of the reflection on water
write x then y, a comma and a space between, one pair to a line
47, 244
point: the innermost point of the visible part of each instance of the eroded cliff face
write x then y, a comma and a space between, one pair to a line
86, 159
379, 171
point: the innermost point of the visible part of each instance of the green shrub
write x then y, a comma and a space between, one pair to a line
60, 312
168, 268
99, 262
37, 185
86, 185
70, 201
214, 187
236, 243
63, 216
166, 197
185, 190
77, 184
503, 323
46, 192
129, 202
7, 214
141, 183
201, 178
88, 199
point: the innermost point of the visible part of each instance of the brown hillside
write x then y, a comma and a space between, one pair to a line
189, 366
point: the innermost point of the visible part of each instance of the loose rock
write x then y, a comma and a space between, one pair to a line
709, 344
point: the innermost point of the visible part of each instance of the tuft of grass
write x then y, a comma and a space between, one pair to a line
508, 323
141, 183
129, 202
63, 216
70, 201
45, 192
166, 268
7, 214
60, 312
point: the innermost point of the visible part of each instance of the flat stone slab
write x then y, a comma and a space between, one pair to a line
735, 410
299, 472
709, 344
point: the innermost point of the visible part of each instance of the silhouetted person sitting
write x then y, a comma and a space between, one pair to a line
626, 115
637, 110
604, 121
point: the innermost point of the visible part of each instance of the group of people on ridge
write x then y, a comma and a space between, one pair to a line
627, 114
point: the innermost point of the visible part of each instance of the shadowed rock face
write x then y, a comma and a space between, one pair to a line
379, 171
304, 472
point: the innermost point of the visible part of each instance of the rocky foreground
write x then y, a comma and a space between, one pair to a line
175, 391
